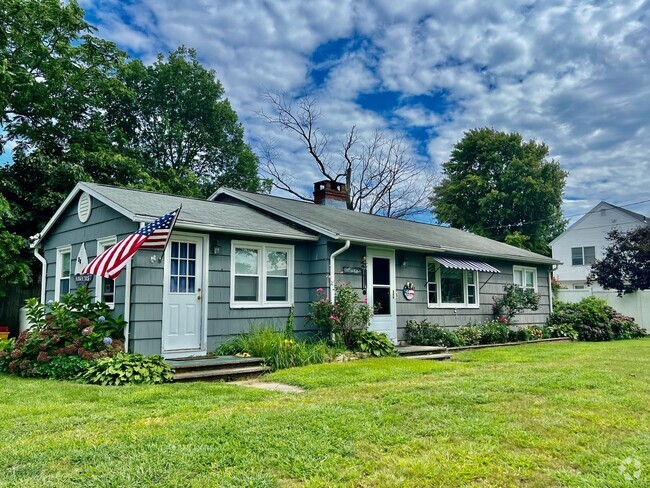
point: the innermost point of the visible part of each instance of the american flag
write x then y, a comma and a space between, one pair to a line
154, 235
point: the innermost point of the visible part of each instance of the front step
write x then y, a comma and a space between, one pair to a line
434, 353
430, 357
219, 368
222, 374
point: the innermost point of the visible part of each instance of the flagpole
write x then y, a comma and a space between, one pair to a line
171, 229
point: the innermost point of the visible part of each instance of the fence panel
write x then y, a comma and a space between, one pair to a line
12, 302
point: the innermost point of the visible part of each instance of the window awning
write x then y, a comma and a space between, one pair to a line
469, 265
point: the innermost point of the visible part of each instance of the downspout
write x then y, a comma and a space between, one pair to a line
44, 272
332, 268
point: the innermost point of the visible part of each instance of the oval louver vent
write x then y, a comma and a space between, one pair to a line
84, 207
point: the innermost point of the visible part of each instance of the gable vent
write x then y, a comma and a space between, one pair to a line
84, 207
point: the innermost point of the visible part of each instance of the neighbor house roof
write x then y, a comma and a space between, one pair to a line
373, 229
196, 214
642, 219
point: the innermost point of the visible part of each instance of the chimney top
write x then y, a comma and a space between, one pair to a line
330, 193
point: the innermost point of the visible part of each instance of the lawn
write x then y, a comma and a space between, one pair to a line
565, 414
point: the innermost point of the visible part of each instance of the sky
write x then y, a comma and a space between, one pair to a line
575, 75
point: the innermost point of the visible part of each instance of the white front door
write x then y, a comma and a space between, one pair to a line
183, 329
381, 291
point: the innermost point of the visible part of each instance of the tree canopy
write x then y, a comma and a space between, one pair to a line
625, 266
499, 186
76, 108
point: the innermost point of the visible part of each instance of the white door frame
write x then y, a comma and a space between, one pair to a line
202, 350
389, 254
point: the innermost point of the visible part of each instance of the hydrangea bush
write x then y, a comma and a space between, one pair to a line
75, 326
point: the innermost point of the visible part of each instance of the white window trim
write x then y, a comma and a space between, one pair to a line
584, 261
439, 288
524, 269
103, 244
60, 251
261, 285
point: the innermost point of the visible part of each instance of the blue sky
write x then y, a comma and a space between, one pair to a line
575, 75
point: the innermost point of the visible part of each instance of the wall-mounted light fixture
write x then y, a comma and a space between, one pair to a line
404, 263
216, 247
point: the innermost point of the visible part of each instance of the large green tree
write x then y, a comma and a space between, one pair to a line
499, 186
175, 120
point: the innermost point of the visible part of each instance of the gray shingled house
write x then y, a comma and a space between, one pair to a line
239, 259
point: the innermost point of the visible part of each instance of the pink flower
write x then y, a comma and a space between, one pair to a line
87, 331
333, 318
319, 290
365, 299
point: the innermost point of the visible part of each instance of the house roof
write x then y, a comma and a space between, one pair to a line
642, 219
373, 229
196, 214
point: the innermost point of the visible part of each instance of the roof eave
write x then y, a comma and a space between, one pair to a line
62, 208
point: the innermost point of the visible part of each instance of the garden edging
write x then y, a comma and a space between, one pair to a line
520, 343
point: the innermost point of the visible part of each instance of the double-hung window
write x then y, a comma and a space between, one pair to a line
451, 288
62, 283
583, 256
525, 277
105, 288
262, 275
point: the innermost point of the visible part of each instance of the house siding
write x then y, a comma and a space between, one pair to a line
69, 230
417, 309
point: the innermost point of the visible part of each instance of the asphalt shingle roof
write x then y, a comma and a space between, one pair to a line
360, 227
195, 212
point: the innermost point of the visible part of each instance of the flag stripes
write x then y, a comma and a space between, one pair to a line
154, 235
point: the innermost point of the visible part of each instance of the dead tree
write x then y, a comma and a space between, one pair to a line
380, 176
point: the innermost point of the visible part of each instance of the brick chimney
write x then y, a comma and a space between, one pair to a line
330, 194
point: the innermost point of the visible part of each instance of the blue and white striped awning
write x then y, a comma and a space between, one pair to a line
469, 265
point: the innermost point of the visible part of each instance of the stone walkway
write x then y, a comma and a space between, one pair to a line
281, 387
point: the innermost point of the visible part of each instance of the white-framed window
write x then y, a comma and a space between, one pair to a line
583, 256
261, 275
105, 287
63, 270
578, 287
525, 277
451, 288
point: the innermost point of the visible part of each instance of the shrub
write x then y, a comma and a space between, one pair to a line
374, 343
277, 350
6, 346
62, 368
514, 301
75, 326
561, 330
424, 333
469, 335
494, 332
345, 317
518, 335
594, 320
125, 368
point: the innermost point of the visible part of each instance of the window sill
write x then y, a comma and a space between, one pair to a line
260, 305
452, 306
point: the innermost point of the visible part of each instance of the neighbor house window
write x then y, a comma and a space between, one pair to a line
448, 287
105, 287
62, 283
525, 277
262, 275
583, 256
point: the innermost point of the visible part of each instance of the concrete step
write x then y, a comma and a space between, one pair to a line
418, 350
222, 374
429, 357
215, 363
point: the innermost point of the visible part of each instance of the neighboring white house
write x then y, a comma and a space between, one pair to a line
585, 241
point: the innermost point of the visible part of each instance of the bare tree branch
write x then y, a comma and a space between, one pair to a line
380, 176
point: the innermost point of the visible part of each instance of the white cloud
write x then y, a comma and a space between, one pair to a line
571, 74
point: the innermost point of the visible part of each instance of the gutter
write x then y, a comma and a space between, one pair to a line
43, 273
345, 247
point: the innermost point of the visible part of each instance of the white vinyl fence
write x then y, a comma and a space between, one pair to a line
635, 304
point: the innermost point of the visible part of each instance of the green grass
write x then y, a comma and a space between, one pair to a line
539, 415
